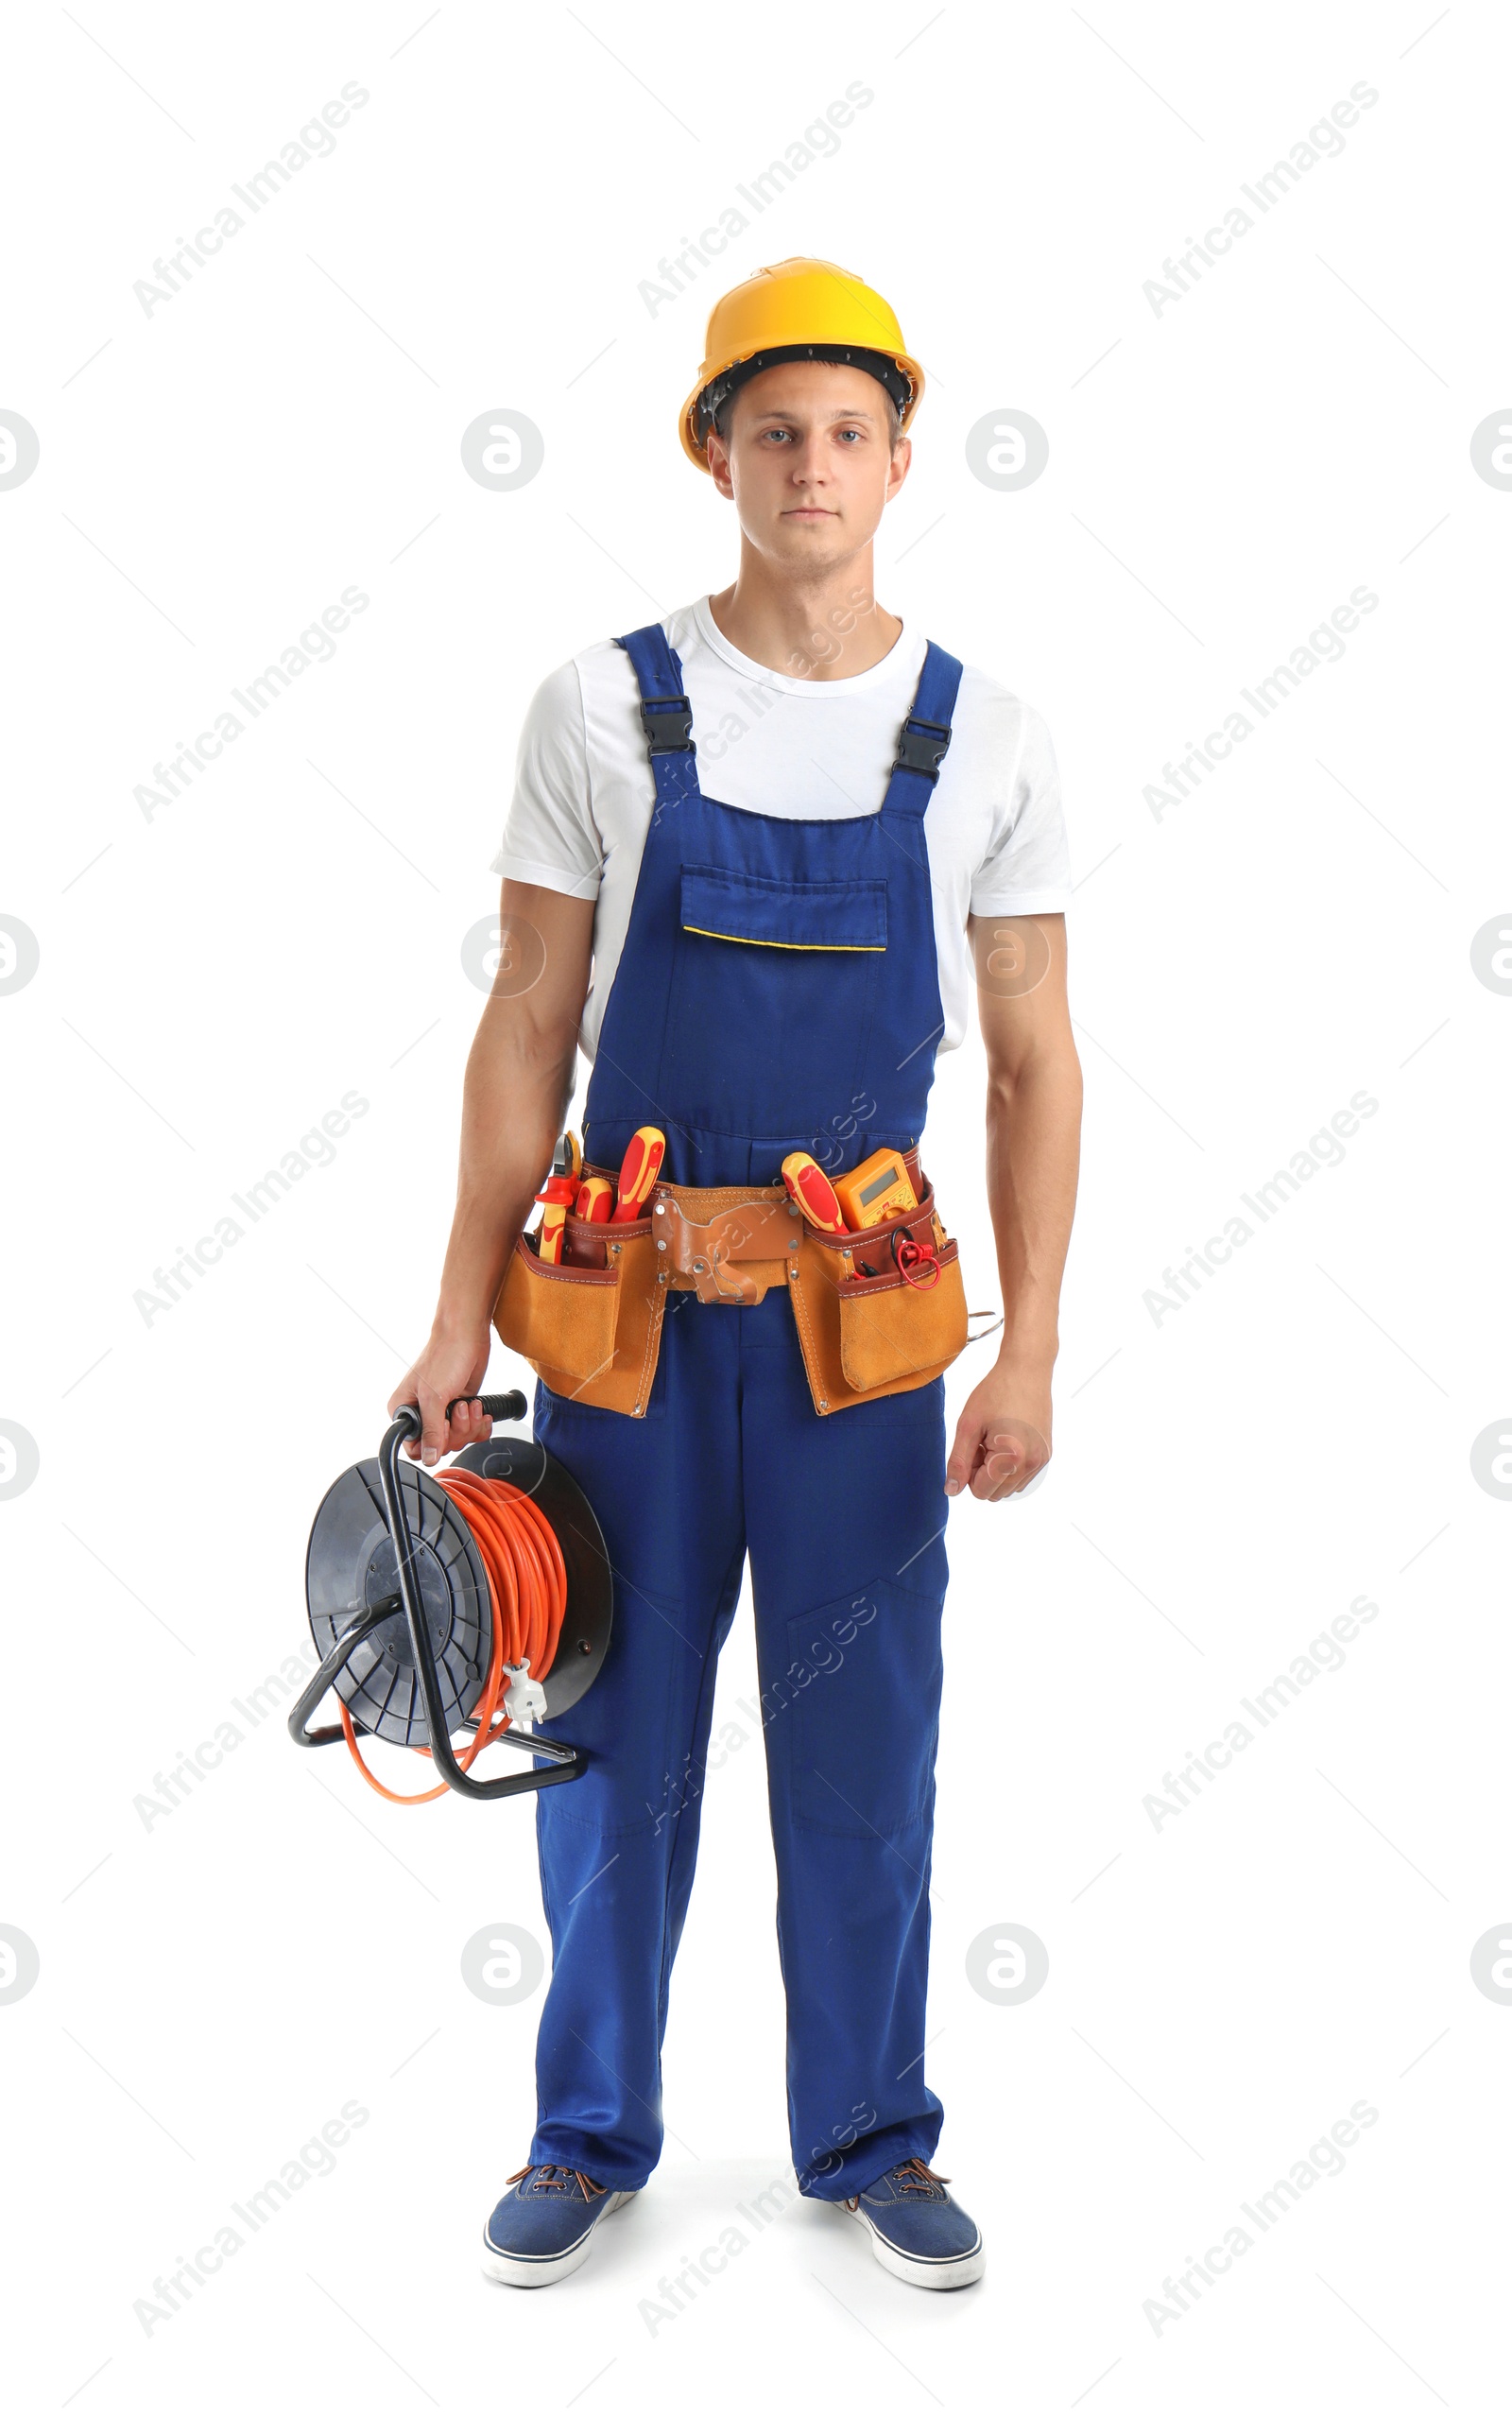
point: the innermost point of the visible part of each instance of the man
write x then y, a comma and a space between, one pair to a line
775, 828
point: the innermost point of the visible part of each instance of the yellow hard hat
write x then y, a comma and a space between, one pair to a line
797, 310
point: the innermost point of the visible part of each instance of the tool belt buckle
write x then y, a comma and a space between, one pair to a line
707, 1256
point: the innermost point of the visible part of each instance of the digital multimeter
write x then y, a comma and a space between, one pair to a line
878, 1187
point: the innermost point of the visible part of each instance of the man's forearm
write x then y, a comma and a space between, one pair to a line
518, 1084
1033, 1128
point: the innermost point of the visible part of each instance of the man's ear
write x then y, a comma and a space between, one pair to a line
718, 457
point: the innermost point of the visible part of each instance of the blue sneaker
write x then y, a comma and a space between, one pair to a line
544, 2228
918, 2231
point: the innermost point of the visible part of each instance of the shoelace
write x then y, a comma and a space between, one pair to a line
913, 2177
916, 2176
559, 2177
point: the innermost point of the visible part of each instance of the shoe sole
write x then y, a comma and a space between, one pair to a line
534, 2272
924, 2272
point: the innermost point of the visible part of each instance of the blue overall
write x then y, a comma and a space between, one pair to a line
778, 990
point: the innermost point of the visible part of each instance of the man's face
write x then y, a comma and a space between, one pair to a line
809, 463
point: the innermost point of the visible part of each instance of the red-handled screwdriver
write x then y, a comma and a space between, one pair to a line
643, 1164
811, 1187
596, 1200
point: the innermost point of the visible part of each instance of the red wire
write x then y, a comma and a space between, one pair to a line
527, 1596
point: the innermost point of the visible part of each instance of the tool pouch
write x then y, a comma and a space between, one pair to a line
865, 1336
592, 1326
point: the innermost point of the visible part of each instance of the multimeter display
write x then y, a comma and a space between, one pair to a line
879, 1187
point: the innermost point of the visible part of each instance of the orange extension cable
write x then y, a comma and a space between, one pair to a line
527, 1591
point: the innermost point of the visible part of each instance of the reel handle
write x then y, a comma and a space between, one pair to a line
495, 1405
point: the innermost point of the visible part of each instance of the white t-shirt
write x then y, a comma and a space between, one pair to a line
808, 748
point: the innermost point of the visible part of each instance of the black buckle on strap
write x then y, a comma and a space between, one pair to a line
922, 746
669, 726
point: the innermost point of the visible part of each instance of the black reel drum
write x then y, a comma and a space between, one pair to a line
401, 1613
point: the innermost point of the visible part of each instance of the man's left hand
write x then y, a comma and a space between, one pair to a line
1002, 1434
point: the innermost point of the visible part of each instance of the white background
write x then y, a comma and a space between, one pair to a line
1221, 1989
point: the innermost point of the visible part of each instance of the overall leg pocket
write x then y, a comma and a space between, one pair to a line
860, 1697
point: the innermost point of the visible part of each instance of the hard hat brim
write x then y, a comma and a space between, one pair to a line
687, 424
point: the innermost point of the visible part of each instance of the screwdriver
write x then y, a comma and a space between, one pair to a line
643, 1164
811, 1188
596, 1200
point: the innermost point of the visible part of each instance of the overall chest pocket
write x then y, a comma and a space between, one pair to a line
774, 991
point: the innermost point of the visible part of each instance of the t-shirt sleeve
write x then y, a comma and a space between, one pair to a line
1027, 866
549, 833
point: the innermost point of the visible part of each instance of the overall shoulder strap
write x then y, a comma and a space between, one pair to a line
925, 735
666, 715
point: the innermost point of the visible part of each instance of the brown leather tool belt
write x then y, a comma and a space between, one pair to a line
590, 1326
